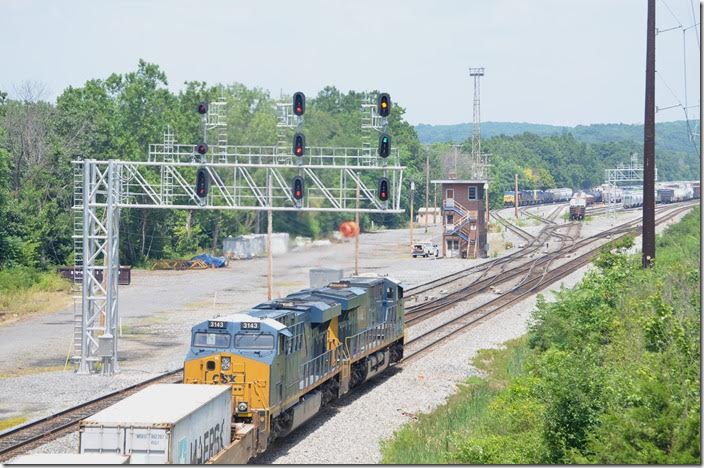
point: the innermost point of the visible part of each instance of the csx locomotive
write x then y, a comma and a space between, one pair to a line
287, 358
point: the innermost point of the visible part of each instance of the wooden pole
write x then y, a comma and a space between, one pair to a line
435, 203
270, 260
486, 221
413, 187
649, 143
427, 186
356, 239
515, 194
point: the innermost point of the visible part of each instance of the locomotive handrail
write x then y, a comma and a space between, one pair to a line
370, 338
319, 367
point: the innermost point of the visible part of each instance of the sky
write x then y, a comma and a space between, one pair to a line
546, 61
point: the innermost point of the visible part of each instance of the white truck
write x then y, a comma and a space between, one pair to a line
425, 249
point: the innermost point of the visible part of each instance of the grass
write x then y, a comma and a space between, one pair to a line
434, 436
25, 291
11, 422
608, 374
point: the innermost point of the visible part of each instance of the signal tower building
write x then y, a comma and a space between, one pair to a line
464, 218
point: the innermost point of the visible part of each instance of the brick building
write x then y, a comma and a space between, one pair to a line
464, 217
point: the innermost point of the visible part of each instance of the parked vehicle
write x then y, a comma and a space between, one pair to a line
425, 249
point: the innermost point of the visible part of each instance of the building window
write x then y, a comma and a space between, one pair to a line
450, 219
472, 192
450, 194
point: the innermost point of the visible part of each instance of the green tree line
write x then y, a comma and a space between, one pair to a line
119, 116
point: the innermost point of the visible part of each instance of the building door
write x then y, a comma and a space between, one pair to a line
453, 247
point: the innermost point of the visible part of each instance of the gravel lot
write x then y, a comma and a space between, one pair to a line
158, 337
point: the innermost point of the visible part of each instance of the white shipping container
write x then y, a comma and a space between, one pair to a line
164, 423
70, 459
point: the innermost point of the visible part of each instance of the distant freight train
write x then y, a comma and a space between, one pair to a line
287, 358
632, 197
537, 197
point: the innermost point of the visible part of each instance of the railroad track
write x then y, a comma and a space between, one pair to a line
536, 280
21, 439
521, 232
29, 436
419, 312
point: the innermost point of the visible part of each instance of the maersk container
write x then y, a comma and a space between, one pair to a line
164, 423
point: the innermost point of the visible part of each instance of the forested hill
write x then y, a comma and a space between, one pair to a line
669, 135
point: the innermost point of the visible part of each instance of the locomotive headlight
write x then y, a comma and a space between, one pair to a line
225, 363
242, 407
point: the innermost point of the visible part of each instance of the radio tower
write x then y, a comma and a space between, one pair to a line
479, 161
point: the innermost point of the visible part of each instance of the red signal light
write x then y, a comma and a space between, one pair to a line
202, 183
298, 188
203, 107
383, 189
299, 144
202, 148
299, 103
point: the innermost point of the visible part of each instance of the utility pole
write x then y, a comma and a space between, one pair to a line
515, 193
486, 196
435, 203
356, 238
413, 188
649, 143
270, 261
427, 186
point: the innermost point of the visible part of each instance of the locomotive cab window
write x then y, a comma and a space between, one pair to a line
258, 341
211, 340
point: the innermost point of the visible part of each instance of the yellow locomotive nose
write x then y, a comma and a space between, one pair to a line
248, 378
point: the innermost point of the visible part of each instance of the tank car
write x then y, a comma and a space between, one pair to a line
287, 358
578, 206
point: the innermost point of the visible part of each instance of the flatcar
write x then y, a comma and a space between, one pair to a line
287, 358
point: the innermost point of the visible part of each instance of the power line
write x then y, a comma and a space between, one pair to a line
685, 107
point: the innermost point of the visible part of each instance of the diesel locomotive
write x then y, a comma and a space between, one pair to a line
287, 358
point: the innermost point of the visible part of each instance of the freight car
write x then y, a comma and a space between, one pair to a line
578, 207
633, 199
287, 358
559, 195
537, 197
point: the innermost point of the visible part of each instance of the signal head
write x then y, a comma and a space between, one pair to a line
384, 104
298, 188
299, 103
202, 148
203, 107
384, 145
299, 144
383, 191
202, 183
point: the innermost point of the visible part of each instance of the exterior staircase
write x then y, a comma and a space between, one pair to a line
461, 226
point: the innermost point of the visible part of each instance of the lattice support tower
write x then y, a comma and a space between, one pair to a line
247, 178
630, 173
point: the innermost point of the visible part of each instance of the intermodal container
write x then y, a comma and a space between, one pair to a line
164, 423
70, 459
